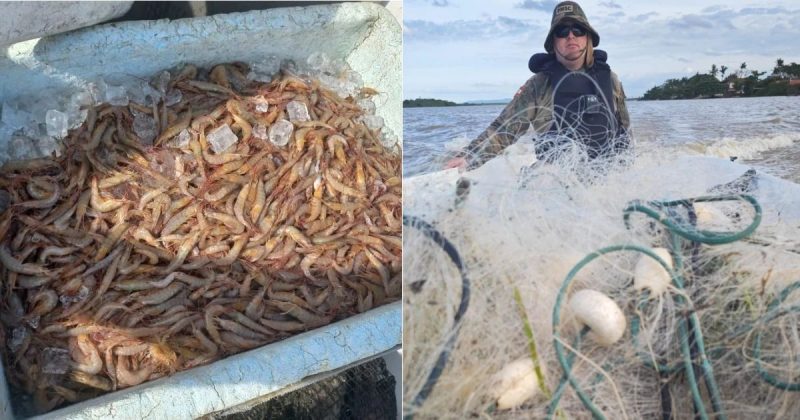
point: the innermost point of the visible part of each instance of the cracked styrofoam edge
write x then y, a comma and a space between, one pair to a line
380, 59
25, 20
249, 375
73, 59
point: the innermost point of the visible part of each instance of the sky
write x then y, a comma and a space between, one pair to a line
462, 50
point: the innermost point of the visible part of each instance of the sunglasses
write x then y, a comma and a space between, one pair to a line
563, 31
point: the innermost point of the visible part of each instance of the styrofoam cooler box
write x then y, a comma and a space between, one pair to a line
25, 20
363, 34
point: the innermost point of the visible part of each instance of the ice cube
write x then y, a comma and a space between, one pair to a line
262, 105
221, 138
366, 105
260, 131
57, 123
55, 360
144, 94
82, 294
173, 97
34, 130
288, 66
41, 106
48, 146
318, 61
161, 81
373, 122
280, 132
18, 337
97, 90
14, 117
182, 140
5, 133
329, 81
144, 126
297, 111
137, 92
355, 79
21, 147
338, 67
259, 77
389, 138
81, 99
153, 95
116, 95
76, 117
263, 70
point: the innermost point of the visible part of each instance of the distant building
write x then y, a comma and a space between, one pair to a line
731, 90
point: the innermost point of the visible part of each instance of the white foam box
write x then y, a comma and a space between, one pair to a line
25, 20
367, 36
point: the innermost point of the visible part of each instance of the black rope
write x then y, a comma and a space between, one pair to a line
451, 252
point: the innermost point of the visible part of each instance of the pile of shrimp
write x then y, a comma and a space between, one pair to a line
124, 261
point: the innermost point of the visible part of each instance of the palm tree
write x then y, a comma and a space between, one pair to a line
714, 70
742, 70
722, 70
778, 68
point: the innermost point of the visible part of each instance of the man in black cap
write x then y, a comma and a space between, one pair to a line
574, 96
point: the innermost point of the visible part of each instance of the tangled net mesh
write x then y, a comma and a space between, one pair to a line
519, 229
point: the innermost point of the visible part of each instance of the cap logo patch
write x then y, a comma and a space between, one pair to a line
567, 8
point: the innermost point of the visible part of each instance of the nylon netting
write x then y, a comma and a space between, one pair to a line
722, 339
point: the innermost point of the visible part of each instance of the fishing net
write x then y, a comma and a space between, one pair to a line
363, 392
499, 261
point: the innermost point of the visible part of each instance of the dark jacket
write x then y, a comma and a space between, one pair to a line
533, 106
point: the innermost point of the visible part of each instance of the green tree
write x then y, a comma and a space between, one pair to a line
424, 102
746, 82
792, 69
778, 70
699, 85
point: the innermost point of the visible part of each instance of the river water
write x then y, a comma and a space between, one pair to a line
761, 132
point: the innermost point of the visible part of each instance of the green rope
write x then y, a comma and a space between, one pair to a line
688, 324
562, 385
653, 209
645, 357
566, 365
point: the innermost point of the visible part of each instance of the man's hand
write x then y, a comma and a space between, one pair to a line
458, 162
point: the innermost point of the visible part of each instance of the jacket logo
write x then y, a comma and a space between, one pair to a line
567, 8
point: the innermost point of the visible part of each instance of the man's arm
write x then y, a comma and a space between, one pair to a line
619, 99
505, 129
623, 118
